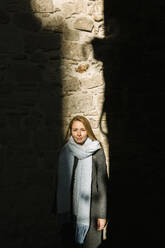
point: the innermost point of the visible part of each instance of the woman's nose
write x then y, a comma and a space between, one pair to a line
78, 133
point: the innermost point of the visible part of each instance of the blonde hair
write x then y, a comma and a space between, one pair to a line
86, 124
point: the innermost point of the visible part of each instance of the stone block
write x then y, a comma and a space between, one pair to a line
75, 51
68, 9
52, 23
42, 5
80, 6
94, 123
99, 100
97, 11
70, 83
92, 81
58, 3
70, 34
84, 23
46, 42
73, 7
77, 104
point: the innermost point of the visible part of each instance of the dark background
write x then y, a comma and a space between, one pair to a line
30, 127
133, 56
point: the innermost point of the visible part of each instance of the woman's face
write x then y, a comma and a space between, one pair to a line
79, 132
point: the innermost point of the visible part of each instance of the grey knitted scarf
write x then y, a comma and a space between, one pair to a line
82, 183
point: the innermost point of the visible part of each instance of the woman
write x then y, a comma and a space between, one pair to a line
82, 187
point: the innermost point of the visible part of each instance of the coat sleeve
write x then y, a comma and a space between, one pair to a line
102, 184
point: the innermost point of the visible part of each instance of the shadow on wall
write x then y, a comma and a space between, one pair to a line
132, 57
30, 126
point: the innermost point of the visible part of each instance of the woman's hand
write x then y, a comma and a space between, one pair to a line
101, 224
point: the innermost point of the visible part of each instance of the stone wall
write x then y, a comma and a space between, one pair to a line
48, 74
79, 22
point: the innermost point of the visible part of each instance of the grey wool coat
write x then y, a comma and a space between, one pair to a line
98, 200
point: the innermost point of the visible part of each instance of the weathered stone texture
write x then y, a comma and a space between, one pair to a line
82, 68
98, 102
75, 51
80, 6
42, 6
70, 83
92, 81
71, 34
53, 22
84, 23
73, 7
97, 11
68, 9
75, 104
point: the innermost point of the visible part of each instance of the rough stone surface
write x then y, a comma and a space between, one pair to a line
97, 11
53, 23
84, 23
82, 68
80, 6
75, 104
91, 82
42, 5
70, 84
68, 9
75, 51
71, 34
